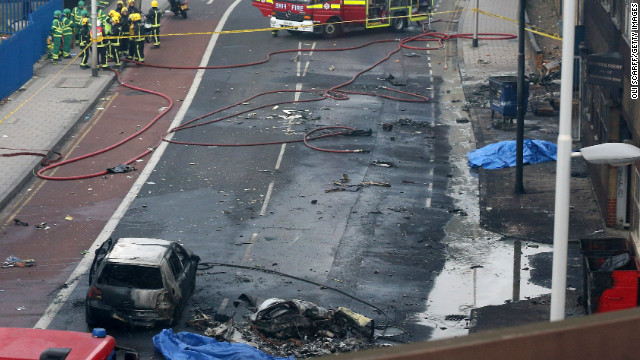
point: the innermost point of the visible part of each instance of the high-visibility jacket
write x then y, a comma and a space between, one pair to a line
67, 26
100, 42
115, 32
137, 30
154, 16
57, 27
76, 14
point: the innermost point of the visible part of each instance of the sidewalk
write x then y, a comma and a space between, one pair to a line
527, 217
530, 215
39, 116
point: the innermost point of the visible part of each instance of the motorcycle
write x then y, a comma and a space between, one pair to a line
179, 7
148, 29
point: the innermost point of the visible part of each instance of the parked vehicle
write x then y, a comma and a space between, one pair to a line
34, 344
140, 282
179, 7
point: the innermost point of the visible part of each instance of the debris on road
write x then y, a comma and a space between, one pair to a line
299, 319
122, 168
383, 163
14, 261
290, 327
42, 225
341, 186
68, 218
20, 223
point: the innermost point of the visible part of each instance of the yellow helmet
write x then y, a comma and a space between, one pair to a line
135, 17
132, 2
112, 12
115, 18
154, 3
85, 21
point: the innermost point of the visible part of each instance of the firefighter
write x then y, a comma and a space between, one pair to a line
57, 29
125, 26
119, 6
77, 19
101, 45
85, 41
116, 29
132, 7
67, 33
136, 43
153, 17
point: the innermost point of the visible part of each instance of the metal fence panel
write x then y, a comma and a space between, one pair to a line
14, 14
25, 47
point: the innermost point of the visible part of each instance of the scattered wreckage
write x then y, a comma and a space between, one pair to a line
291, 327
140, 282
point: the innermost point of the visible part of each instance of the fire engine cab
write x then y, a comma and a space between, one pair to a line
331, 17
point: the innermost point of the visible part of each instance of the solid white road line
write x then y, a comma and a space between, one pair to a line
85, 263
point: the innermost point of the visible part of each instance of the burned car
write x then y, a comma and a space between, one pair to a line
140, 282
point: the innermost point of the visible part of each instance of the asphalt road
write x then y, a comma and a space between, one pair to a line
273, 206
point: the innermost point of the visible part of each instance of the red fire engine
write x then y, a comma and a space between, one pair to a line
330, 17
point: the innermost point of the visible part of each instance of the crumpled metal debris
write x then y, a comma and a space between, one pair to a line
122, 168
300, 319
295, 327
218, 326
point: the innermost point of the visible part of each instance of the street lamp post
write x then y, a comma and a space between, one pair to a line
614, 154
563, 167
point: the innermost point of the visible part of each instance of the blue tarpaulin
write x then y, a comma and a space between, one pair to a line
503, 154
190, 346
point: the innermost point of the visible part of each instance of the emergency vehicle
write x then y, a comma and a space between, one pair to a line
34, 344
331, 17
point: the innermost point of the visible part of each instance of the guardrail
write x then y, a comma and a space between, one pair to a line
28, 23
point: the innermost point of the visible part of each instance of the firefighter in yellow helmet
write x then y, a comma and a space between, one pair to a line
119, 6
132, 7
85, 42
136, 43
116, 29
153, 17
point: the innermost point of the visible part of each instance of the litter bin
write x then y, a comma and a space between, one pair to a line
503, 96
610, 274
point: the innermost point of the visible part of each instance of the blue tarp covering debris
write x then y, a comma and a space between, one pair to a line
190, 346
503, 154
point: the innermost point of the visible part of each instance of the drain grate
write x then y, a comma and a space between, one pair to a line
74, 83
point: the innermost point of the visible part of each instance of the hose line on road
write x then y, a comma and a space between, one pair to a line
335, 93
209, 265
104, 150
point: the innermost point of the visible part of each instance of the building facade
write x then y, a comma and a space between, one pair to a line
607, 110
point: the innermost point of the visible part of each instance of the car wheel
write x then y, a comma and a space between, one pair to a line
331, 29
399, 23
89, 319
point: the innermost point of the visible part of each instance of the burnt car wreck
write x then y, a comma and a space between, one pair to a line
139, 282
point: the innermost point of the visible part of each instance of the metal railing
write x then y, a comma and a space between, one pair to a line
15, 15
25, 47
